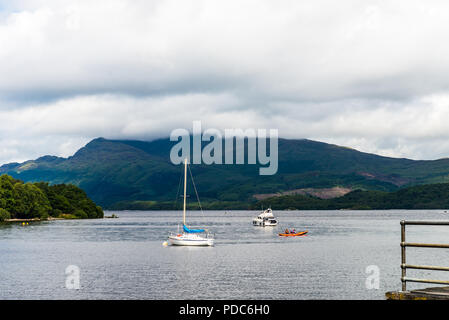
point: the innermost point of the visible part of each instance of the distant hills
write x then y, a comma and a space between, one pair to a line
429, 196
138, 174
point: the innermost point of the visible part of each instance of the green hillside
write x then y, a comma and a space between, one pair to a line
433, 196
128, 174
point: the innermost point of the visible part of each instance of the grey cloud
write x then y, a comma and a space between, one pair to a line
370, 75
271, 51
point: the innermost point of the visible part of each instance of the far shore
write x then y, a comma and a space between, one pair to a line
68, 217
33, 219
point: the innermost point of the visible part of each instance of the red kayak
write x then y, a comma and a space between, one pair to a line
297, 234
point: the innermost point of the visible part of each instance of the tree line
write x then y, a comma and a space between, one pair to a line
431, 196
19, 200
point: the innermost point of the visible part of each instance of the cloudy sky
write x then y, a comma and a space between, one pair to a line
371, 75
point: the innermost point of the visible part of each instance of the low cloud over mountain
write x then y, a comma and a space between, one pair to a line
370, 75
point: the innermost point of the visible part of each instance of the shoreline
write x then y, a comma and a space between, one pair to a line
33, 219
229, 210
48, 219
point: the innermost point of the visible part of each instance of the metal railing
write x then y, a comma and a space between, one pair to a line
404, 245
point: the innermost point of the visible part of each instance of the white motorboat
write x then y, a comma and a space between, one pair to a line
265, 219
190, 237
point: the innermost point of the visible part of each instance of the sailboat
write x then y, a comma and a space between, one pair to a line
190, 237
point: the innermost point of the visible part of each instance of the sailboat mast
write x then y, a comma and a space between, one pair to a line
185, 191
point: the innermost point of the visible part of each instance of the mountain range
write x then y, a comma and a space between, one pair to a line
134, 174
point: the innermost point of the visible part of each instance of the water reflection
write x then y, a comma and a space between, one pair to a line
124, 258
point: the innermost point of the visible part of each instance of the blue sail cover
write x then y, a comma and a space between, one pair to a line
192, 230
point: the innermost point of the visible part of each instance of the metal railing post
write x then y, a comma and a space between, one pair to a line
403, 258
404, 245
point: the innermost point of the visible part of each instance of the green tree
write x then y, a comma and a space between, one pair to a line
41, 200
4, 215
30, 201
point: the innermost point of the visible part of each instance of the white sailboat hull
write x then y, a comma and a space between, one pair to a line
190, 240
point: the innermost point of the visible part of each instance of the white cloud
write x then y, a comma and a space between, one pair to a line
370, 75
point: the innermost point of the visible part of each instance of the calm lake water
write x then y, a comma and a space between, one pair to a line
124, 258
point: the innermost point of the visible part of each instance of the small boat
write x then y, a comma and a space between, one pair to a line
293, 234
190, 237
265, 219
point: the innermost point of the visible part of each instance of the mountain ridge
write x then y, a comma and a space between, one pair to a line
113, 171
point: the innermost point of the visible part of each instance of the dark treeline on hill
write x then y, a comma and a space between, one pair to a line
433, 196
19, 200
